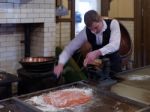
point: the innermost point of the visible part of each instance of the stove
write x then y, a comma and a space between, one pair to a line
35, 81
102, 100
6, 81
14, 105
137, 81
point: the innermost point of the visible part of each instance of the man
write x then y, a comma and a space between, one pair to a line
104, 37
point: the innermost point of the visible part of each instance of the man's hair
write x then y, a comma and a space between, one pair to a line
90, 17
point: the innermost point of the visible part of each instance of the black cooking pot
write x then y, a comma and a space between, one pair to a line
38, 64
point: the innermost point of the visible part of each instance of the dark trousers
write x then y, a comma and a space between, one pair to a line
115, 63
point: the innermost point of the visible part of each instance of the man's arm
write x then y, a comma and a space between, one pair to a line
91, 56
69, 50
115, 38
75, 44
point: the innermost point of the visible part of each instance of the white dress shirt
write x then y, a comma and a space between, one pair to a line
77, 42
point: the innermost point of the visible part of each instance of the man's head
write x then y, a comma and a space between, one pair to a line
93, 21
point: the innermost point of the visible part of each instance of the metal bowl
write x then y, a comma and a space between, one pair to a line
38, 64
36, 59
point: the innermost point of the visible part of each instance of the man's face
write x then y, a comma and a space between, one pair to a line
96, 27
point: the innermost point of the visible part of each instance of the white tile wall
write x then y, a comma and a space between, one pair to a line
65, 33
43, 35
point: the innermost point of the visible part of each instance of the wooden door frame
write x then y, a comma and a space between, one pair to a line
72, 33
71, 20
105, 6
138, 41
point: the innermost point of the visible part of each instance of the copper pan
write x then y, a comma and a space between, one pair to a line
38, 64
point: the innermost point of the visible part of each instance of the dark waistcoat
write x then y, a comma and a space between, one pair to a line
114, 57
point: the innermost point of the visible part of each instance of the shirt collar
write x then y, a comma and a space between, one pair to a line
104, 26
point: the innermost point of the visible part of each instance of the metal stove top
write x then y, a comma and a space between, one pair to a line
134, 84
102, 100
7, 78
15, 105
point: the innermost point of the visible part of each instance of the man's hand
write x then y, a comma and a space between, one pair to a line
91, 56
58, 69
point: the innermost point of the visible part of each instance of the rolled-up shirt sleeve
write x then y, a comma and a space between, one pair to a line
72, 47
115, 38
